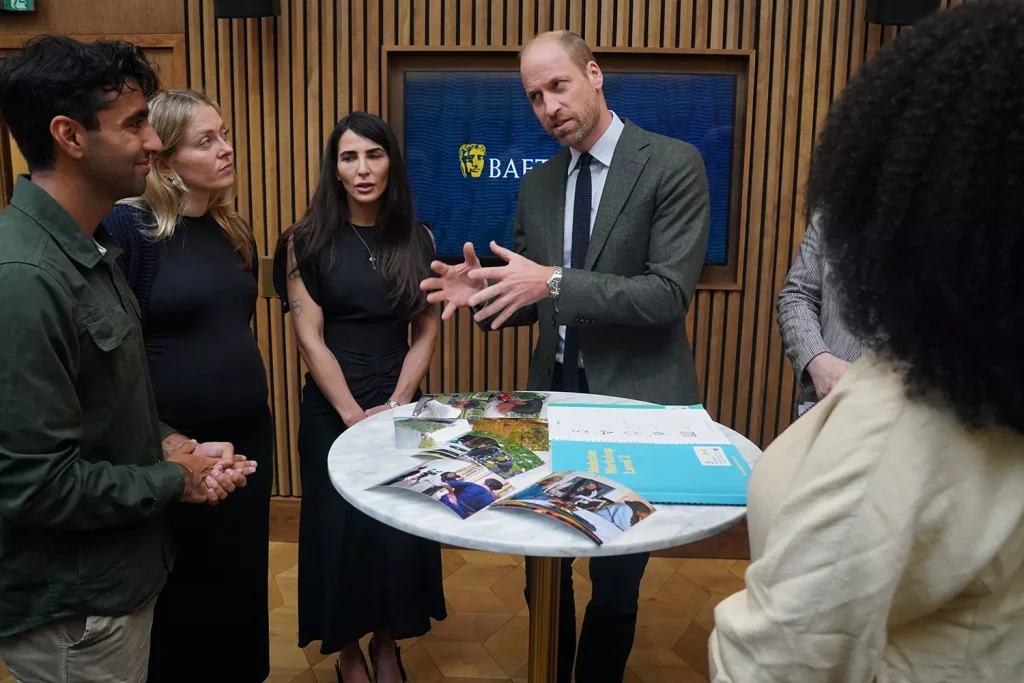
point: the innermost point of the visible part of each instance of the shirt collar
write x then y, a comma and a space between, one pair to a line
604, 148
37, 203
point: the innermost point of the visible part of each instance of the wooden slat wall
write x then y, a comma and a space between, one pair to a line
284, 81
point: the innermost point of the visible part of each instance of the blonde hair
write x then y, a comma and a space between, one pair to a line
170, 112
577, 49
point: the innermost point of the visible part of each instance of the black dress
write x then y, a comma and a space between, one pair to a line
356, 575
210, 385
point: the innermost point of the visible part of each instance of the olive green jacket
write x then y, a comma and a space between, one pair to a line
83, 484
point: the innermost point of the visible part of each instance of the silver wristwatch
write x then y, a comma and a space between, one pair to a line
554, 282
391, 404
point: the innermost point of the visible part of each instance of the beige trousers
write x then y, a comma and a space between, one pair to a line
82, 650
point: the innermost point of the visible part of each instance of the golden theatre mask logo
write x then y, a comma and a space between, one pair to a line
471, 159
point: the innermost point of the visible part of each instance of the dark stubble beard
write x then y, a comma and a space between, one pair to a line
112, 176
586, 121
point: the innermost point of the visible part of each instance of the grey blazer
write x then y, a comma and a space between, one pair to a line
809, 312
645, 256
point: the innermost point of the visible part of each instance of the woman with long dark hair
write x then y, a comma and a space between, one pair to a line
349, 272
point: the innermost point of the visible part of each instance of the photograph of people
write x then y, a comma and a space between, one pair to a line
465, 497
602, 509
464, 487
515, 405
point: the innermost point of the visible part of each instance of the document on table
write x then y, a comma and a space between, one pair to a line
634, 424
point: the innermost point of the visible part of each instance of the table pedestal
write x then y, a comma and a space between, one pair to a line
545, 579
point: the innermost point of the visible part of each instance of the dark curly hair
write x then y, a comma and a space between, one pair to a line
919, 180
59, 76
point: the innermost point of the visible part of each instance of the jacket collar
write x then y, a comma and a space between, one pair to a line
37, 204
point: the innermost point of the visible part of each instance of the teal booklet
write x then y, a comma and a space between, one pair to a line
666, 454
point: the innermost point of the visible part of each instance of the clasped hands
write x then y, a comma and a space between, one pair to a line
357, 414
217, 469
519, 283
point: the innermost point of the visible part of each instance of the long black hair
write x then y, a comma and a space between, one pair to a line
919, 177
404, 246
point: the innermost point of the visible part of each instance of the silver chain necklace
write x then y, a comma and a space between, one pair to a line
373, 259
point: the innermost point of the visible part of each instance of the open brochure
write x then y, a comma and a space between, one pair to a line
481, 404
597, 507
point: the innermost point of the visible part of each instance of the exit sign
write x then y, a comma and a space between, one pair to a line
20, 5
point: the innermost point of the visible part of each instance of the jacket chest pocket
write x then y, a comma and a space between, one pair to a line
110, 360
107, 328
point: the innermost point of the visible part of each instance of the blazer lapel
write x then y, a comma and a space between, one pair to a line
553, 206
628, 162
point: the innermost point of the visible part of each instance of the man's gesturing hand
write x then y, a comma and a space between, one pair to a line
454, 286
520, 283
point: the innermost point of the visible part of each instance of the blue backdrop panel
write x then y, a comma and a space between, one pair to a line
471, 135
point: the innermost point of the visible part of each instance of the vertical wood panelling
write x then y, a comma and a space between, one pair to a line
284, 81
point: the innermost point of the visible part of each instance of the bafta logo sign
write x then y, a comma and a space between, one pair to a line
471, 159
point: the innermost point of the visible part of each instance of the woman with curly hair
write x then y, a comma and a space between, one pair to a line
887, 524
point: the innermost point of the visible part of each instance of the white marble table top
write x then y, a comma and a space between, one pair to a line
365, 456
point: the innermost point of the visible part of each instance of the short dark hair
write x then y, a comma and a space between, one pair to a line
54, 76
919, 181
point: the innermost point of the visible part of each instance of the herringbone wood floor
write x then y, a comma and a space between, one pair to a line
485, 635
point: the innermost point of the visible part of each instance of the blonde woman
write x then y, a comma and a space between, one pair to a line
191, 261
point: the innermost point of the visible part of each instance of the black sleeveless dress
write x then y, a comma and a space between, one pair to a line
356, 575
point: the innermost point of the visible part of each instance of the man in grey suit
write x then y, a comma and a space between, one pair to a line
610, 236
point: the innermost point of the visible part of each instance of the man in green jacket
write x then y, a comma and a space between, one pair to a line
84, 482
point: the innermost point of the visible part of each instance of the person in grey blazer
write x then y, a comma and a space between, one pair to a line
609, 239
814, 336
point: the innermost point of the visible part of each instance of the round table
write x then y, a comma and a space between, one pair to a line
365, 455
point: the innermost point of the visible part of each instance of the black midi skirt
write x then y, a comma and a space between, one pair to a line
356, 575
215, 599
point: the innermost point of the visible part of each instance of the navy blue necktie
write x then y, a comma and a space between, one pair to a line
580, 242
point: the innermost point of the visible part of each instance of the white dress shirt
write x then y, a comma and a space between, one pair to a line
602, 152
887, 542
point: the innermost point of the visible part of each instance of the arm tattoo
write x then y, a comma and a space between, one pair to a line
296, 306
293, 266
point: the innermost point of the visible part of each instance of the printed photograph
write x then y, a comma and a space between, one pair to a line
600, 508
428, 432
463, 487
498, 454
466, 405
530, 433
520, 404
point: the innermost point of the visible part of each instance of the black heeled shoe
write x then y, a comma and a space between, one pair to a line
398, 657
337, 669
